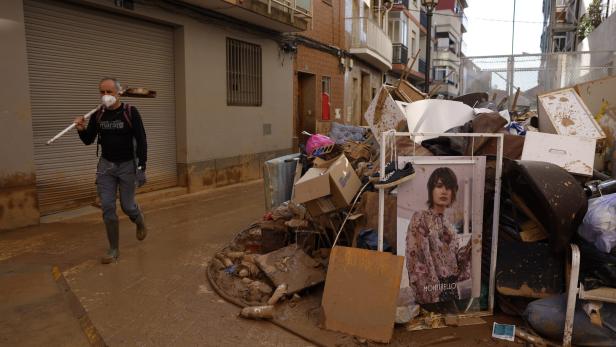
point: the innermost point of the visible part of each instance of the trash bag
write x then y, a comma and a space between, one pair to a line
597, 269
368, 239
599, 224
547, 317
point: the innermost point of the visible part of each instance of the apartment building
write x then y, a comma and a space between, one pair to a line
369, 55
561, 19
223, 74
339, 64
407, 31
450, 24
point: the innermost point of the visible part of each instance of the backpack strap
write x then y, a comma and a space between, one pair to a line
128, 116
99, 114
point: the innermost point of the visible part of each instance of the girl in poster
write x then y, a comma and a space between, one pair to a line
435, 264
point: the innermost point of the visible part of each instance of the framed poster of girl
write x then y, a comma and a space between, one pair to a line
439, 228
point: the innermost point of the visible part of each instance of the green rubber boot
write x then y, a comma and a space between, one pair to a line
142, 230
113, 235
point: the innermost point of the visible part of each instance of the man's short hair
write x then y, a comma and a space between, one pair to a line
449, 180
115, 82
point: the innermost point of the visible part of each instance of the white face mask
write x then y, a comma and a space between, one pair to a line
108, 100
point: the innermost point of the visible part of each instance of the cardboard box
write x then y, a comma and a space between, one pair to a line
313, 185
344, 182
563, 112
574, 154
320, 163
320, 206
324, 190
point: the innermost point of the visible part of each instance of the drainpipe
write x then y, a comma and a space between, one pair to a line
428, 49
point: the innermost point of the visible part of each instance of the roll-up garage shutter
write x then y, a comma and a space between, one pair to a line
70, 48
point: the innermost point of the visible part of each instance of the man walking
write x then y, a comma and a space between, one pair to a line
121, 134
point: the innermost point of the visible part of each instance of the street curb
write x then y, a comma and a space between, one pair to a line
88, 328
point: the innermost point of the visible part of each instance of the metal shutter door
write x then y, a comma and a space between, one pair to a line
69, 49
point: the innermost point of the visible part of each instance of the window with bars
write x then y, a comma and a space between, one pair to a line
244, 78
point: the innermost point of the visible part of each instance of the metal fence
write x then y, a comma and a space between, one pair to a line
534, 74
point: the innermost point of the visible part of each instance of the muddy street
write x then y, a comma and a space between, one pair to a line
156, 295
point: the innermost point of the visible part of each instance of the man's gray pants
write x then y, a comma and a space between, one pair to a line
110, 176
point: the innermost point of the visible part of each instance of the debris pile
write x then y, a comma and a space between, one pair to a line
555, 159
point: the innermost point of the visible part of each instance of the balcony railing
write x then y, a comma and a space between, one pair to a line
367, 38
423, 19
402, 2
294, 7
277, 15
400, 54
422, 66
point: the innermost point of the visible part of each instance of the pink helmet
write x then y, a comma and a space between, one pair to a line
319, 144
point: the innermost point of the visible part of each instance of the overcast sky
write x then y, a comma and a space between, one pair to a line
490, 24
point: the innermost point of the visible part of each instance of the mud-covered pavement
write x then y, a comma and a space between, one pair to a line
158, 293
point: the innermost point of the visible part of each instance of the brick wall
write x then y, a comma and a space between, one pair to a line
318, 63
327, 28
327, 22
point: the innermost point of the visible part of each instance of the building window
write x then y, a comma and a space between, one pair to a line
440, 73
398, 30
560, 42
243, 73
445, 41
457, 7
413, 42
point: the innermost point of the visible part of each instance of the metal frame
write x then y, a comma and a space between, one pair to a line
575, 290
572, 292
496, 207
537, 54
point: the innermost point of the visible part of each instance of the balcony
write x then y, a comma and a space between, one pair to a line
369, 42
400, 54
464, 22
404, 3
561, 14
277, 15
423, 19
